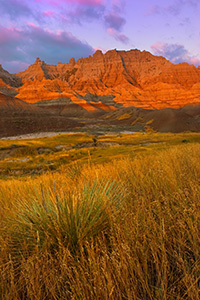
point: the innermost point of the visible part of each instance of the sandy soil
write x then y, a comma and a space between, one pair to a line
36, 135
33, 135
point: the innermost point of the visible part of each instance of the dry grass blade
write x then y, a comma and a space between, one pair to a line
129, 229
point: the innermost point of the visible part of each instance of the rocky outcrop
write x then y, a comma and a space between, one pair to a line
132, 78
9, 82
9, 79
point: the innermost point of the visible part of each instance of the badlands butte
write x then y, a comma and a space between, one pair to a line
116, 89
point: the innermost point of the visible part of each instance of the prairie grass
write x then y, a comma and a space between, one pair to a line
57, 222
126, 229
26, 160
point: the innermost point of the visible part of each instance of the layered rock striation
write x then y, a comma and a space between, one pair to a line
18, 117
106, 82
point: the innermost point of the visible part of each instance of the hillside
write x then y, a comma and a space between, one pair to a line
130, 78
106, 85
186, 118
19, 117
133, 78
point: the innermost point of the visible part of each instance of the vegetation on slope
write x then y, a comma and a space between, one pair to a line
126, 229
37, 156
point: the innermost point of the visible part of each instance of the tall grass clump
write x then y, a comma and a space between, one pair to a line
124, 230
52, 222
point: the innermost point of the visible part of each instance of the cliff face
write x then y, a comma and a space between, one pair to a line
108, 81
9, 82
10, 79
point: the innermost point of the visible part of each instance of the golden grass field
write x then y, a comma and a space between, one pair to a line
119, 220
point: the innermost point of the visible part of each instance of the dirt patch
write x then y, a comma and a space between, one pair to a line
33, 135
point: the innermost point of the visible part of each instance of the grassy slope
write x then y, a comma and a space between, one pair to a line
26, 160
148, 247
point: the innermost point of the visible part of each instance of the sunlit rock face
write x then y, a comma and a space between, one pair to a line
112, 80
12, 105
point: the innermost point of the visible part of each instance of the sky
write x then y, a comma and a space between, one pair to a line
56, 30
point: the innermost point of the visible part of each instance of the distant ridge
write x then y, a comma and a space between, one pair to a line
103, 88
133, 78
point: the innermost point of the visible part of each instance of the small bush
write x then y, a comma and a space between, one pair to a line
47, 222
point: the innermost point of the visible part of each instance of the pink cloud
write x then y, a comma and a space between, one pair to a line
104, 50
80, 2
49, 13
53, 11
176, 53
30, 24
118, 35
194, 61
114, 21
39, 9
89, 2
9, 35
158, 47
75, 11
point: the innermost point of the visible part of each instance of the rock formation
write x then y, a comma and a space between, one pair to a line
105, 82
9, 82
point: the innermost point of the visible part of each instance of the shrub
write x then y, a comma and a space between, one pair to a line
50, 223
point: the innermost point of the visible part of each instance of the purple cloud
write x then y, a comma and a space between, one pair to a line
114, 21
176, 53
82, 2
15, 8
85, 13
174, 9
118, 5
28, 29
87, 2
80, 9
19, 46
65, 12
41, 10
118, 35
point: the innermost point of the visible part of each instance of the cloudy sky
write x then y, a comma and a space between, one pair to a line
56, 30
